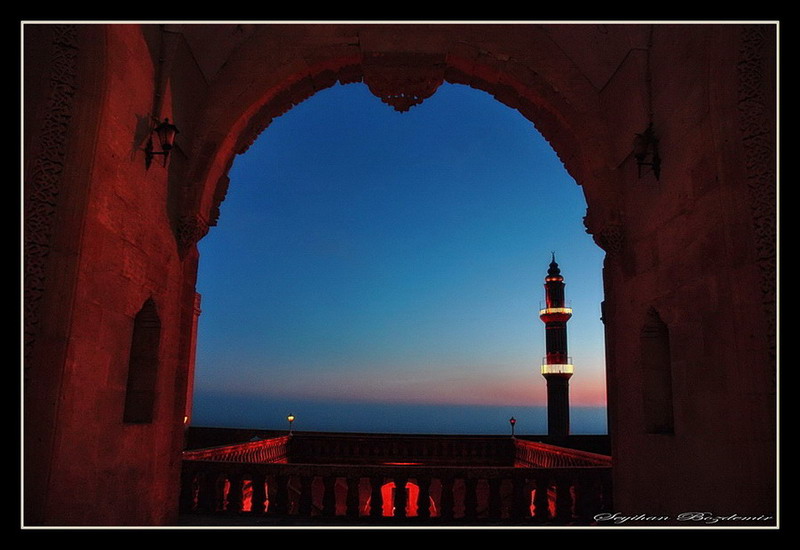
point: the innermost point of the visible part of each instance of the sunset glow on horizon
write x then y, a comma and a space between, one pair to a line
482, 387
368, 256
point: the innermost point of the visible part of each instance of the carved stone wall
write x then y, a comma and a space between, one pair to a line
42, 190
757, 116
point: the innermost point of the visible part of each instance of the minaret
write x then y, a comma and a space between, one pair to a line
556, 367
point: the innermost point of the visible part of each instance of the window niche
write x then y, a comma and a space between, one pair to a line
656, 375
143, 366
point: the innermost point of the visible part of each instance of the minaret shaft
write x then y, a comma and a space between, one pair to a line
556, 368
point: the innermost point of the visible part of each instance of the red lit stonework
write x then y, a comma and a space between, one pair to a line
103, 233
556, 367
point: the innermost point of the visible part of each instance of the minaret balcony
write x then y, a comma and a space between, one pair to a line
553, 306
558, 368
555, 314
548, 310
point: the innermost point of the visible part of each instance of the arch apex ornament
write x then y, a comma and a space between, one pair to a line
403, 80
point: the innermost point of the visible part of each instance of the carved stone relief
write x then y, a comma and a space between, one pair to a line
403, 81
42, 189
757, 132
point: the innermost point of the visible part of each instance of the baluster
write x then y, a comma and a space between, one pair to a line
279, 496
605, 492
376, 497
563, 499
235, 496
258, 500
329, 496
352, 497
495, 499
520, 498
305, 500
207, 494
188, 488
400, 496
587, 503
541, 499
470, 498
447, 498
424, 500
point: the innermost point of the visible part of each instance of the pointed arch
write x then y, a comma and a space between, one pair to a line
140, 391
565, 108
656, 369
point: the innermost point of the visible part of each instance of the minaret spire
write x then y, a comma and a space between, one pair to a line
556, 367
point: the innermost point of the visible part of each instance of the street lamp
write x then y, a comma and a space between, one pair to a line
290, 419
512, 421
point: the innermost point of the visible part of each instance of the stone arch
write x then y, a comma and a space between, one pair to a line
101, 231
572, 123
532, 71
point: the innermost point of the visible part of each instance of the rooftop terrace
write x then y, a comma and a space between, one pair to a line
235, 477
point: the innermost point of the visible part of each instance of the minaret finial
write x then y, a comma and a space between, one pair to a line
554, 271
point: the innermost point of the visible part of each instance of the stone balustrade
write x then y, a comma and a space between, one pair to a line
533, 454
259, 451
559, 495
569, 487
322, 448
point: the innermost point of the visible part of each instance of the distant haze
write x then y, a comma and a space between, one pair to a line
258, 413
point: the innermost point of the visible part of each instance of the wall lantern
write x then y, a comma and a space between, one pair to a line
645, 150
290, 419
165, 132
512, 421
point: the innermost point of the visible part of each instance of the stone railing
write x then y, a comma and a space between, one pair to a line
308, 491
321, 448
571, 490
259, 451
532, 454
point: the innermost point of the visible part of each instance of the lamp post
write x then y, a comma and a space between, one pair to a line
290, 419
512, 421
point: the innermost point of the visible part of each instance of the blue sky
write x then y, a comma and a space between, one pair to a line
368, 256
